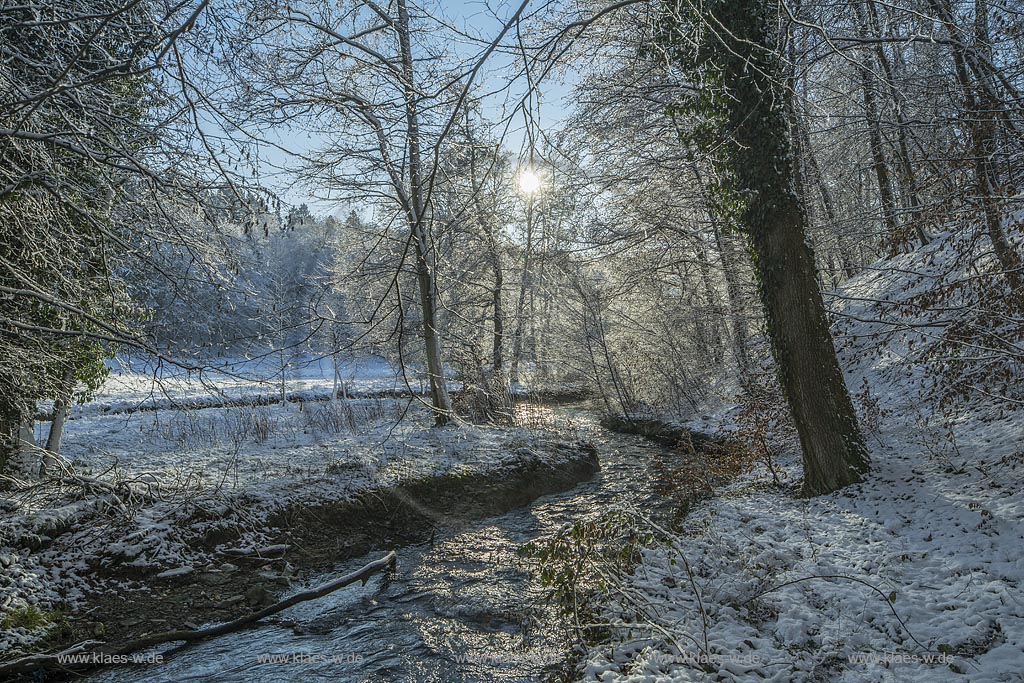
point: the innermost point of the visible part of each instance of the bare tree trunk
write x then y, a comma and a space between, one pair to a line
284, 375
498, 331
730, 263
881, 165
621, 390
524, 288
592, 311
834, 452
598, 379
441, 401
712, 310
334, 384
979, 105
499, 398
908, 178
60, 414
738, 323
806, 173
497, 270
337, 383
827, 203
801, 181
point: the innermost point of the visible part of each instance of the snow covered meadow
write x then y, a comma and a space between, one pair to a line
147, 419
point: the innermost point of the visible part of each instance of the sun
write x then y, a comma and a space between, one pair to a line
529, 181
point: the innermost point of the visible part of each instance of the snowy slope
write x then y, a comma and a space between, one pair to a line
914, 575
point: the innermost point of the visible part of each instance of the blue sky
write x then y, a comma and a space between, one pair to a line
474, 17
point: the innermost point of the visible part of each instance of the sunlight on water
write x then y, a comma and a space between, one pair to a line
463, 609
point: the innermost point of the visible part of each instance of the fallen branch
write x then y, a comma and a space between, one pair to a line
87, 659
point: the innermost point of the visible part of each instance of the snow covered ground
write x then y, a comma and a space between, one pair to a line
915, 575
147, 484
135, 383
235, 445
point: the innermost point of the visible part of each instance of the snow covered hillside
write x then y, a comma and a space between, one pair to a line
915, 575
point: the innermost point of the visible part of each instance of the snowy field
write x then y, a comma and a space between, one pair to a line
145, 384
239, 444
916, 575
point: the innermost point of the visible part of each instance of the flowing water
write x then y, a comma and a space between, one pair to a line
463, 608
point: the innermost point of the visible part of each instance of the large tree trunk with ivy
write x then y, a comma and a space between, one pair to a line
745, 52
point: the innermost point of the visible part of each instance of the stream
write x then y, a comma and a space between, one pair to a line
463, 608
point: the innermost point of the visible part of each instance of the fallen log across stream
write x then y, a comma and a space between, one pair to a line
84, 656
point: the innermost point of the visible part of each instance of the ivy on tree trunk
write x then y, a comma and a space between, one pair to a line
740, 57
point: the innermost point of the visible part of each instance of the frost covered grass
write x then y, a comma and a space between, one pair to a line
237, 444
166, 492
914, 575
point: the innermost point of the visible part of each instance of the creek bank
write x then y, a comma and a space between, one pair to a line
473, 586
553, 395
668, 434
412, 511
694, 465
309, 539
